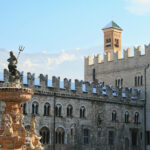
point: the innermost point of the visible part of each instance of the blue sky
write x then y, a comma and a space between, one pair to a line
60, 28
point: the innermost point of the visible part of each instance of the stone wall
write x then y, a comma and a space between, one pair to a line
99, 102
127, 67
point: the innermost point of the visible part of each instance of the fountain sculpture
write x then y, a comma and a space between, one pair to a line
13, 135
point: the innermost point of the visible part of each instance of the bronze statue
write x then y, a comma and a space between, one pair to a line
12, 66
14, 74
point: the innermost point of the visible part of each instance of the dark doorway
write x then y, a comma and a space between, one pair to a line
126, 144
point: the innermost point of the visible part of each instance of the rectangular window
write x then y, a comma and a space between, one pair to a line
148, 137
134, 138
86, 136
93, 74
111, 138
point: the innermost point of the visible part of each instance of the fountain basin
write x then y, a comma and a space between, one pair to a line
17, 95
12, 143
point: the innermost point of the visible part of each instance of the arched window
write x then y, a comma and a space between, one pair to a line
136, 117
44, 132
69, 111
60, 136
114, 115
58, 110
72, 131
82, 112
116, 83
141, 80
35, 107
135, 81
121, 82
46, 109
126, 117
24, 105
138, 80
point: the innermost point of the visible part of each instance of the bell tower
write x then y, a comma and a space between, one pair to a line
112, 39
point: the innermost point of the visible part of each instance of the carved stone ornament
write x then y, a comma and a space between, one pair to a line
8, 130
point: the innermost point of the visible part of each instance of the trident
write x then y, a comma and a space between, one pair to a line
21, 48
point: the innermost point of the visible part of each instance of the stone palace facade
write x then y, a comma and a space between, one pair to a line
126, 71
107, 111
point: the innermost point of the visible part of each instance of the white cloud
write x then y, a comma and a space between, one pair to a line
44, 52
66, 63
64, 57
138, 7
50, 61
4, 65
139, 1
29, 64
77, 49
142, 1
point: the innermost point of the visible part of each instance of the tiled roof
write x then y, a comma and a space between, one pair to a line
112, 24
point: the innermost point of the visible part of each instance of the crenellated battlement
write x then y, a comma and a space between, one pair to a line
81, 88
30, 79
126, 56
